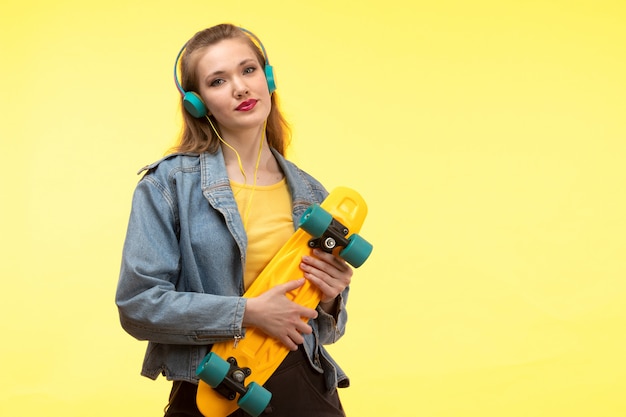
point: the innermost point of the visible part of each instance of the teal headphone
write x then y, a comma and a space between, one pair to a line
192, 101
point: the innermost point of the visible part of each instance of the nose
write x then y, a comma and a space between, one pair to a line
240, 88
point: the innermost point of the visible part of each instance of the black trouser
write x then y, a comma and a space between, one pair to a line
297, 391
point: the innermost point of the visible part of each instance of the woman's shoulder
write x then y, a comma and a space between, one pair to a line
174, 161
302, 177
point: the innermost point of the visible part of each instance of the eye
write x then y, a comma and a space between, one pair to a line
217, 82
249, 70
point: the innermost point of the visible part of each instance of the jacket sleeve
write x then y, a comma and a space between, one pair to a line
331, 327
150, 305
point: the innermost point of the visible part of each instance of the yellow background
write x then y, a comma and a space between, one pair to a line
488, 138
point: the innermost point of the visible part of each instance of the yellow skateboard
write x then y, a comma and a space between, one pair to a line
232, 374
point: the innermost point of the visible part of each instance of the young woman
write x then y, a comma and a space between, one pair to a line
206, 219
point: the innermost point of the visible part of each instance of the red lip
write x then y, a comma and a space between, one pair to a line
247, 105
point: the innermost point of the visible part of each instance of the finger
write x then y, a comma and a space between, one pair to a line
312, 265
331, 259
296, 338
324, 285
290, 285
330, 277
328, 264
307, 313
289, 343
329, 292
304, 328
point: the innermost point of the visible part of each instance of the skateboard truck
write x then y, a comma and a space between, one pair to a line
328, 233
233, 382
335, 235
228, 379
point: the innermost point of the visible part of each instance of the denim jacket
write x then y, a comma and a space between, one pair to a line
181, 278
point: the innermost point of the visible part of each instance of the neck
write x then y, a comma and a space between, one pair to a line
245, 149
248, 157
243, 158
241, 144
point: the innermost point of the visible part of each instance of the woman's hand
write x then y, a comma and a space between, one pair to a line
279, 317
327, 272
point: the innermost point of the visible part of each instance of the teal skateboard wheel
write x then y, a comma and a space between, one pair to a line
255, 400
315, 220
213, 369
356, 251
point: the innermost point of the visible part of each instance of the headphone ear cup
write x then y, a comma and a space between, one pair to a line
194, 105
269, 76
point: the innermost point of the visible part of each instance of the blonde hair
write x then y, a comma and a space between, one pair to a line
197, 135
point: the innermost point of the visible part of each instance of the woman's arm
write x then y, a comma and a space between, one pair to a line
151, 307
332, 275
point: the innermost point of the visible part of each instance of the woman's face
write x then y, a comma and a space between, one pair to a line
232, 84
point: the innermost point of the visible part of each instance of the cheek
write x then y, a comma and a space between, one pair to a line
214, 102
260, 84
265, 96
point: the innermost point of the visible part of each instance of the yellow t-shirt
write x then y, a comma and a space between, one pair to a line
266, 215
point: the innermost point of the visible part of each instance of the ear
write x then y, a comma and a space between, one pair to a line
194, 104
